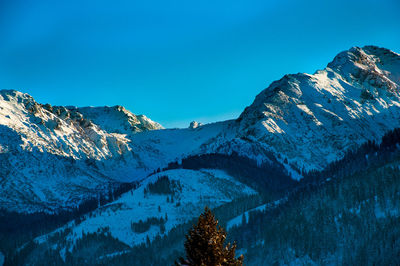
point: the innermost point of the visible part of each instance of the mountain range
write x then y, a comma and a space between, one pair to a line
107, 171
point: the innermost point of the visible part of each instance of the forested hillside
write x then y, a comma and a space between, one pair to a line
346, 214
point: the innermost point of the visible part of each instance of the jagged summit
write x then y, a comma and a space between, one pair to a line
370, 66
118, 119
369, 56
70, 131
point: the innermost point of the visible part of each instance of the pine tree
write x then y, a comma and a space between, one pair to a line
204, 244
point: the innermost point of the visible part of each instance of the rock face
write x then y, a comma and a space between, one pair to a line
195, 124
313, 119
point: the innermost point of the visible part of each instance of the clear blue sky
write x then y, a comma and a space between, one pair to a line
178, 61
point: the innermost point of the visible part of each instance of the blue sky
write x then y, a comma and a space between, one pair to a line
178, 61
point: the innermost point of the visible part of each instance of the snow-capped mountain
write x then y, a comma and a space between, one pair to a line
53, 157
313, 119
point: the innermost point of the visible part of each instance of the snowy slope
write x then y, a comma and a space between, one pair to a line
197, 189
33, 181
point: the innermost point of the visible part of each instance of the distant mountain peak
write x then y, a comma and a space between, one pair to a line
195, 124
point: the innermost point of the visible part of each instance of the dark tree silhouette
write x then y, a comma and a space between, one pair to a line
205, 244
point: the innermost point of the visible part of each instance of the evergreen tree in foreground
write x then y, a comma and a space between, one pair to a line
204, 244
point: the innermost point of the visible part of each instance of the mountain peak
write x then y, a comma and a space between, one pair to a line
368, 66
355, 98
368, 55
